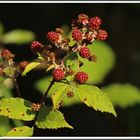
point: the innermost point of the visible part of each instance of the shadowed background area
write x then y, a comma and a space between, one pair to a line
122, 21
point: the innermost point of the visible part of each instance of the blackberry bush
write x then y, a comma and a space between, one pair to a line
67, 82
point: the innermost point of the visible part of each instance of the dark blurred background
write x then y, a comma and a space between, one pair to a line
122, 21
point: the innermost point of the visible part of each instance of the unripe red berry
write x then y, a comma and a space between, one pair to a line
84, 52
6, 54
36, 46
53, 36
23, 65
81, 77
102, 35
58, 74
95, 22
1, 71
77, 34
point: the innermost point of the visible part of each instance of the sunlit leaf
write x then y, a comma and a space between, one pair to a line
29, 67
23, 131
51, 119
16, 108
95, 98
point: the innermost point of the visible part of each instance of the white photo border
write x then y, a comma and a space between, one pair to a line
71, 138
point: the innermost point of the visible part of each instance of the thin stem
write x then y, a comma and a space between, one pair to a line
17, 87
46, 93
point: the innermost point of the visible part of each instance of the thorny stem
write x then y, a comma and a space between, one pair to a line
17, 87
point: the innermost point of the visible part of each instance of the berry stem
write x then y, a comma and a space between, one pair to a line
17, 87
46, 93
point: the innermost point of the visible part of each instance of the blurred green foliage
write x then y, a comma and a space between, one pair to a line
16, 36
123, 95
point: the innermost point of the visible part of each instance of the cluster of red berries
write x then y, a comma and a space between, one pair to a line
80, 77
84, 31
85, 28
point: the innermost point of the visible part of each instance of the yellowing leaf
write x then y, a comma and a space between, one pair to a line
23, 131
16, 108
123, 95
51, 119
29, 67
18, 36
95, 98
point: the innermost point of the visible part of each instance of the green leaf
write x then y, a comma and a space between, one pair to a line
23, 131
1, 29
18, 36
95, 98
123, 95
97, 71
16, 108
4, 125
51, 119
29, 67
59, 95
